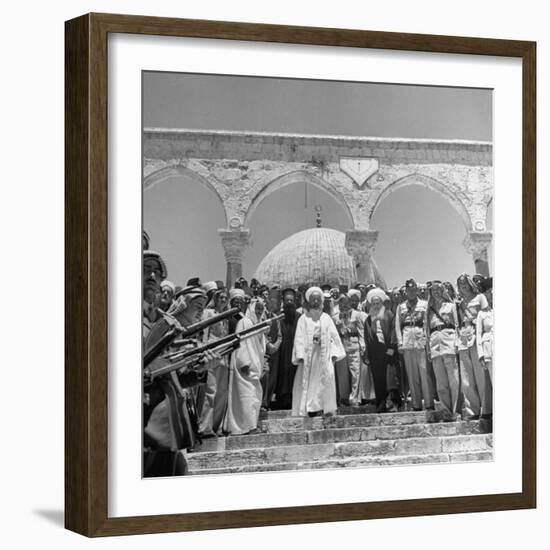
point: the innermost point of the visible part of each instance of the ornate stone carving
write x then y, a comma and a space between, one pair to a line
360, 244
477, 243
359, 169
234, 243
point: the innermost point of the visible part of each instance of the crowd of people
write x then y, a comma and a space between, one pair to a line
323, 347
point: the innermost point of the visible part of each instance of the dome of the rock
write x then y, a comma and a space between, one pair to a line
315, 256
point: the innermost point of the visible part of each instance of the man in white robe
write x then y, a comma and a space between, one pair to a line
246, 366
317, 347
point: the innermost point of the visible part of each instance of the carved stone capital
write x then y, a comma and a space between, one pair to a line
477, 243
360, 244
234, 243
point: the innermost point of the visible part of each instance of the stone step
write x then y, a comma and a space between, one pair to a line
353, 462
342, 410
338, 451
356, 409
299, 423
337, 435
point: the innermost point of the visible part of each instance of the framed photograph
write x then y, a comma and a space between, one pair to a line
281, 248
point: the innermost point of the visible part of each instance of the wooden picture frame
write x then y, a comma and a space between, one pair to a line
86, 223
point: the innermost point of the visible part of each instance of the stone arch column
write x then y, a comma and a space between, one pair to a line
477, 243
234, 242
360, 246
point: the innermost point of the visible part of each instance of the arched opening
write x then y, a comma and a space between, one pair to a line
421, 235
287, 209
160, 176
298, 177
432, 184
182, 218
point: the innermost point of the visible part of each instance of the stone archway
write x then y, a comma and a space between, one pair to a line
430, 183
243, 168
260, 192
177, 170
476, 240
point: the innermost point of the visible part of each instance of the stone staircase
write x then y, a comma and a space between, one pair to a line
355, 436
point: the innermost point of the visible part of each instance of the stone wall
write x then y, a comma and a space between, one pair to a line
168, 144
243, 169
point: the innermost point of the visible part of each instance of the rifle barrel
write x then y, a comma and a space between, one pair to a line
171, 335
225, 345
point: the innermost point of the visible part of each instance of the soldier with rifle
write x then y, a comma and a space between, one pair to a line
212, 396
169, 417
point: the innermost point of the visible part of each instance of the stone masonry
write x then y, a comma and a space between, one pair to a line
355, 437
358, 172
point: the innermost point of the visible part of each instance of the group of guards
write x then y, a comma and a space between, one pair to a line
215, 357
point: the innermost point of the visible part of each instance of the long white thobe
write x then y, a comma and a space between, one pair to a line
314, 384
245, 390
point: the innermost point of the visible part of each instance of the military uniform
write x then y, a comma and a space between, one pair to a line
351, 331
442, 331
410, 331
473, 374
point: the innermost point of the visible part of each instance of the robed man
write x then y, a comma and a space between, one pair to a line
245, 371
286, 370
317, 346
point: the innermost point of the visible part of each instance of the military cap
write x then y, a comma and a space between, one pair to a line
195, 281
410, 283
191, 292
147, 254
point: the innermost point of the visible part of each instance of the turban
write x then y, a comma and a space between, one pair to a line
236, 293
210, 285
376, 293
169, 284
354, 292
311, 290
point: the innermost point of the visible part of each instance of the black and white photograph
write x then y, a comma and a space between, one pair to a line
317, 274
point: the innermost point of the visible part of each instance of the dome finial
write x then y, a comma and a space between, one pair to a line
318, 209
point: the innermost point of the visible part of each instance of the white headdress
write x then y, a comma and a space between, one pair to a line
376, 293
311, 290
